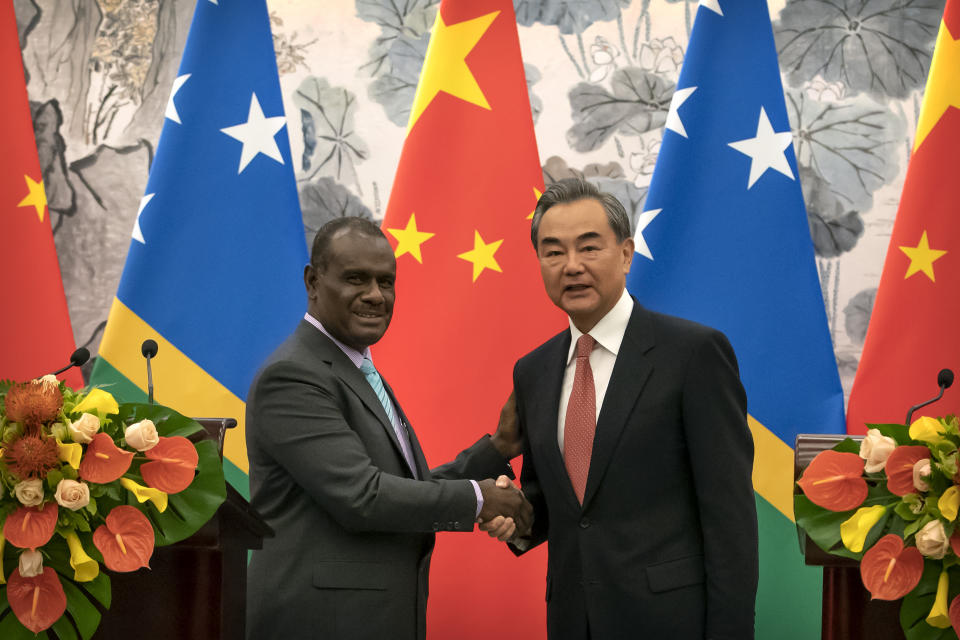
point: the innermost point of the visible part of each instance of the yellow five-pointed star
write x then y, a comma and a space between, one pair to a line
37, 196
482, 255
943, 90
410, 239
536, 194
445, 66
922, 258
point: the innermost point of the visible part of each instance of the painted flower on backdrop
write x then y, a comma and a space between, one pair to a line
644, 160
822, 91
603, 55
661, 56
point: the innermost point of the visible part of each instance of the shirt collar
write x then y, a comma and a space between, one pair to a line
356, 357
609, 331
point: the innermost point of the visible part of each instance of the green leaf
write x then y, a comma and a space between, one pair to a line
916, 525
64, 629
83, 612
898, 432
53, 478
821, 525
903, 510
847, 445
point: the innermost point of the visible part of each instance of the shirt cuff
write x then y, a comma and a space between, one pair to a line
476, 490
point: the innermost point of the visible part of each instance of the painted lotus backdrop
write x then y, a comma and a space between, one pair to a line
600, 74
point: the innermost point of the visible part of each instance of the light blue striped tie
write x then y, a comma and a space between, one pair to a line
373, 377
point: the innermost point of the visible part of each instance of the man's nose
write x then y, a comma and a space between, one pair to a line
572, 264
373, 294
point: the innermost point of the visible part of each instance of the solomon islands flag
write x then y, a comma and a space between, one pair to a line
214, 272
724, 241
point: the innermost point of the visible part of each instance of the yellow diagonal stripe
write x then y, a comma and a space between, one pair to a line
178, 382
772, 468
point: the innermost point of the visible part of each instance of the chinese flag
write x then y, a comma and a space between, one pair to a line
35, 333
913, 331
470, 301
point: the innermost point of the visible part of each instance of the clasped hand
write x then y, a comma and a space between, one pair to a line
506, 512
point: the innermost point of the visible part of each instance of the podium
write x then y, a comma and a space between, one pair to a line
848, 611
195, 589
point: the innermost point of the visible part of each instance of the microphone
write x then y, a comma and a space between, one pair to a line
77, 359
944, 380
149, 350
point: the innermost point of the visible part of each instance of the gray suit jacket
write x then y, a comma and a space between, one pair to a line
354, 529
665, 543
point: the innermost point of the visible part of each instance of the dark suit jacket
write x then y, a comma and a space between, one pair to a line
354, 530
665, 544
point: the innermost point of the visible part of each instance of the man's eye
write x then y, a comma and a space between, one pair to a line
354, 279
386, 284
590, 247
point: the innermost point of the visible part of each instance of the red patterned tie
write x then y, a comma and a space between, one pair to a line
581, 419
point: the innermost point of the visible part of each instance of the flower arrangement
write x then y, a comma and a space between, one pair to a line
85, 482
891, 503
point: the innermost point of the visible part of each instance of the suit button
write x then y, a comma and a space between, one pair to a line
584, 523
436, 526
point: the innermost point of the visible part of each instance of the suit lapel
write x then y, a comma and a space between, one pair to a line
353, 378
543, 412
630, 373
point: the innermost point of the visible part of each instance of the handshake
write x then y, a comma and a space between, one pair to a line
506, 513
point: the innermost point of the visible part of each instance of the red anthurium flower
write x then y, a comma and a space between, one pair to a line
955, 542
889, 570
30, 527
172, 466
104, 461
37, 602
954, 614
834, 481
126, 540
900, 468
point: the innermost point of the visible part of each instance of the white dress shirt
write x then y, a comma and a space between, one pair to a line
609, 334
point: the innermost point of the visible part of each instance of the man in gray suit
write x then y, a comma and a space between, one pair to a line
337, 472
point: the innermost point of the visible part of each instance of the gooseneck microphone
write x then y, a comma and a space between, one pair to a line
149, 350
77, 358
944, 380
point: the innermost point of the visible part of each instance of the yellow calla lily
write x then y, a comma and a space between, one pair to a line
98, 401
85, 568
854, 530
142, 494
927, 429
939, 616
70, 452
2, 543
949, 503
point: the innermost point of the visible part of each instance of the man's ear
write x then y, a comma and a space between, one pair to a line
309, 280
628, 248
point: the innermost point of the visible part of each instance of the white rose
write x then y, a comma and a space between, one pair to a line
29, 492
932, 540
921, 470
875, 449
72, 494
84, 428
142, 435
31, 563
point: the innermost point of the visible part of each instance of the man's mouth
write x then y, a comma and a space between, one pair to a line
368, 314
576, 288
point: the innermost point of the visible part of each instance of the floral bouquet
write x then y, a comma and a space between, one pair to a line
891, 502
86, 482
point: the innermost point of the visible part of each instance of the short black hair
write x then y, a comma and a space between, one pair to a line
573, 189
320, 253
